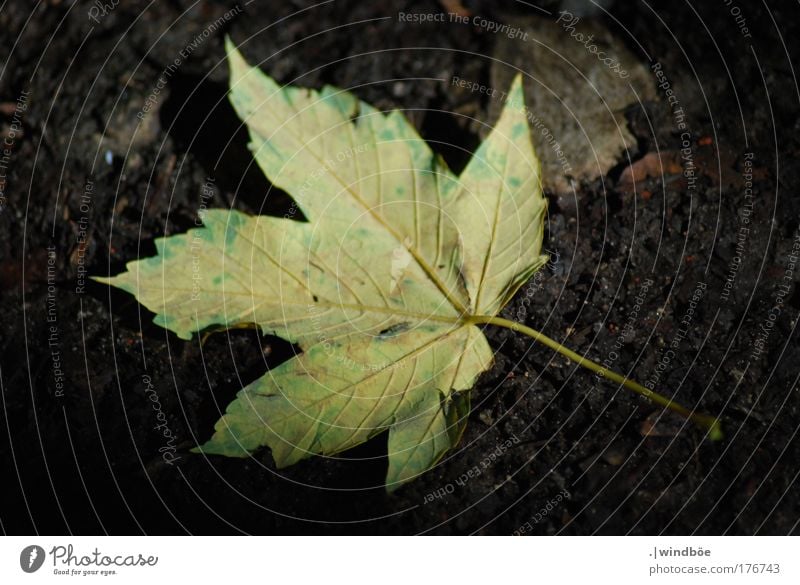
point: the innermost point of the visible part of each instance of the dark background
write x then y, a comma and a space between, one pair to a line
88, 461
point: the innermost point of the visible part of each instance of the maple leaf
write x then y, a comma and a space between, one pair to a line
382, 288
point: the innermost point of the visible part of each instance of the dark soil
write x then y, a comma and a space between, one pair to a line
83, 457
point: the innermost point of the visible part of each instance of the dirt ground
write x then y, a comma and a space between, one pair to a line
87, 378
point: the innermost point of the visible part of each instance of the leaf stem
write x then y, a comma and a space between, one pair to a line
711, 423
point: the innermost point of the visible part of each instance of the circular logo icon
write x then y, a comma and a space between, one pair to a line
31, 558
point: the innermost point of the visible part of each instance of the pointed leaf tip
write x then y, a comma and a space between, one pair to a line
516, 93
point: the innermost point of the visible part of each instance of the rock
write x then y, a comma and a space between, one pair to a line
580, 79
